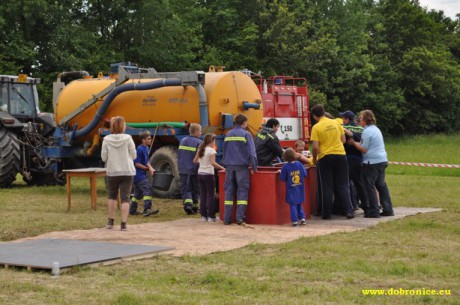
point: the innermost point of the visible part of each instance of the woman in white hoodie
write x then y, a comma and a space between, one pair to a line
118, 153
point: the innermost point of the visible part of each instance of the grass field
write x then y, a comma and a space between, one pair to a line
419, 252
437, 149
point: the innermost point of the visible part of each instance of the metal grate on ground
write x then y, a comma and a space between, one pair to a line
42, 253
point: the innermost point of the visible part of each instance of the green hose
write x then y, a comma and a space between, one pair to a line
156, 124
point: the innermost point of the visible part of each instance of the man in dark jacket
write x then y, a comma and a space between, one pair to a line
354, 158
267, 144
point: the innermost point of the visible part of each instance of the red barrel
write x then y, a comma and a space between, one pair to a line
267, 193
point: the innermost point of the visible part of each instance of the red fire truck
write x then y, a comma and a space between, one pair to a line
286, 99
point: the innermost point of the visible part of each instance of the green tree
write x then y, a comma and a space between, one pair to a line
283, 25
230, 33
413, 42
297, 39
354, 69
20, 28
432, 84
167, 35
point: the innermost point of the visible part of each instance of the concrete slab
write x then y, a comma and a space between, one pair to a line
41, 253
359, 222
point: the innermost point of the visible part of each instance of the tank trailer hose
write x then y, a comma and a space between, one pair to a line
114, 93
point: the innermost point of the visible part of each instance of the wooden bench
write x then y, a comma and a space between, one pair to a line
92, 173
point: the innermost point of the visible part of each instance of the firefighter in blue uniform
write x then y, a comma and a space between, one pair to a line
188, 170
238, 154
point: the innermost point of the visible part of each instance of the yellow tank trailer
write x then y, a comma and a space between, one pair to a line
225, 93
148, 99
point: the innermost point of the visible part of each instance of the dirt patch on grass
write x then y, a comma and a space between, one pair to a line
194, 237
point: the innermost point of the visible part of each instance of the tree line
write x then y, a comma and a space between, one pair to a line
392, 56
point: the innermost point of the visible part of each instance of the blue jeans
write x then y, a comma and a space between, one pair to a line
297, 212
373, 177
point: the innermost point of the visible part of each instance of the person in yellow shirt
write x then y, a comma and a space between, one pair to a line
327, 138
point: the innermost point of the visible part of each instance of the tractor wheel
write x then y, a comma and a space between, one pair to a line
165, 160
10, 157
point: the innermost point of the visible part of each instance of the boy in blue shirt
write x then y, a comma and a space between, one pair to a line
142, 188
294, 173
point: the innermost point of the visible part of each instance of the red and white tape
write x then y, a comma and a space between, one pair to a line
426, 164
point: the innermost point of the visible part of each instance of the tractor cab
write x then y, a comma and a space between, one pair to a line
19, 105
19, 97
